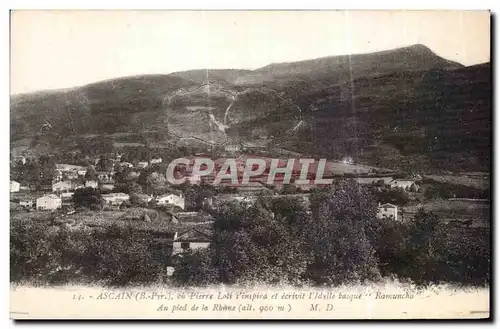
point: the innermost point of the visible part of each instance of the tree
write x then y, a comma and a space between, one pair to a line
388, 238
432, 192
197, 268
133, 187
104, 164
290, 189
125, 158
276, 240
119, 257
395, 196
87, 197
425, 238
260, 243
90, 174
127, 188
137, 200
156, 183
31, 173
195, 195
48, 167
341, 249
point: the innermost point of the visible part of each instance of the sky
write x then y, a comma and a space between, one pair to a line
62, 49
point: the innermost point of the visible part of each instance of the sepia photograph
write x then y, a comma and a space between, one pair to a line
204, 164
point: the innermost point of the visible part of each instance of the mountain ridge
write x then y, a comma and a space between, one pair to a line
307, 109
418, 47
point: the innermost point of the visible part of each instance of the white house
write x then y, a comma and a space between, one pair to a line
82, 172
402, 183
107, 186
387, 210
232, 147
126, 164
105, 176
91, 183
14, 186
142, 165
193, 238
156, 160
27, 203
374, 180
58, 176
115, 199
62, 186
70, 175
171, 198
348, 160
68, 167
133, 174
21, 159
67, 195
48, 202
194, 179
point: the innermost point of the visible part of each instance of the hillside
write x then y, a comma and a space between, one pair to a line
204, 76
336, 69
403, 108
417, 119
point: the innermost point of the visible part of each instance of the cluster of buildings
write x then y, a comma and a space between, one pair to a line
408, 185
54, 201
68, 178
256, 183
267, 180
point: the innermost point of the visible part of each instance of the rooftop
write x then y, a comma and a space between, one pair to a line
114, 195
51, 196
387, 205
195, 234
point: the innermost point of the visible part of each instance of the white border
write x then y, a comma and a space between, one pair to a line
185, 4
255, 4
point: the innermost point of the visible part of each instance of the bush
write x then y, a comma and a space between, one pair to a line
275, 240
259, 243
30, 252
119, 256
445, 190
395, 196
196, 268
87, 197
426, 251
388, 238
338, 235
114, 256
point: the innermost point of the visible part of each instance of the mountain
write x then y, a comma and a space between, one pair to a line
421, 119
205, 76
402, 108
335, 69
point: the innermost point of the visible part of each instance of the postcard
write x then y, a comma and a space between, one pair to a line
250, 164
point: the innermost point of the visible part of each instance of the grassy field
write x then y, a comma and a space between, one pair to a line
448, 210
103, 219
476, 180
458, 207
339, 168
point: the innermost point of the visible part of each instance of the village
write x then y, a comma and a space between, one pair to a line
141, 192
68, 178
